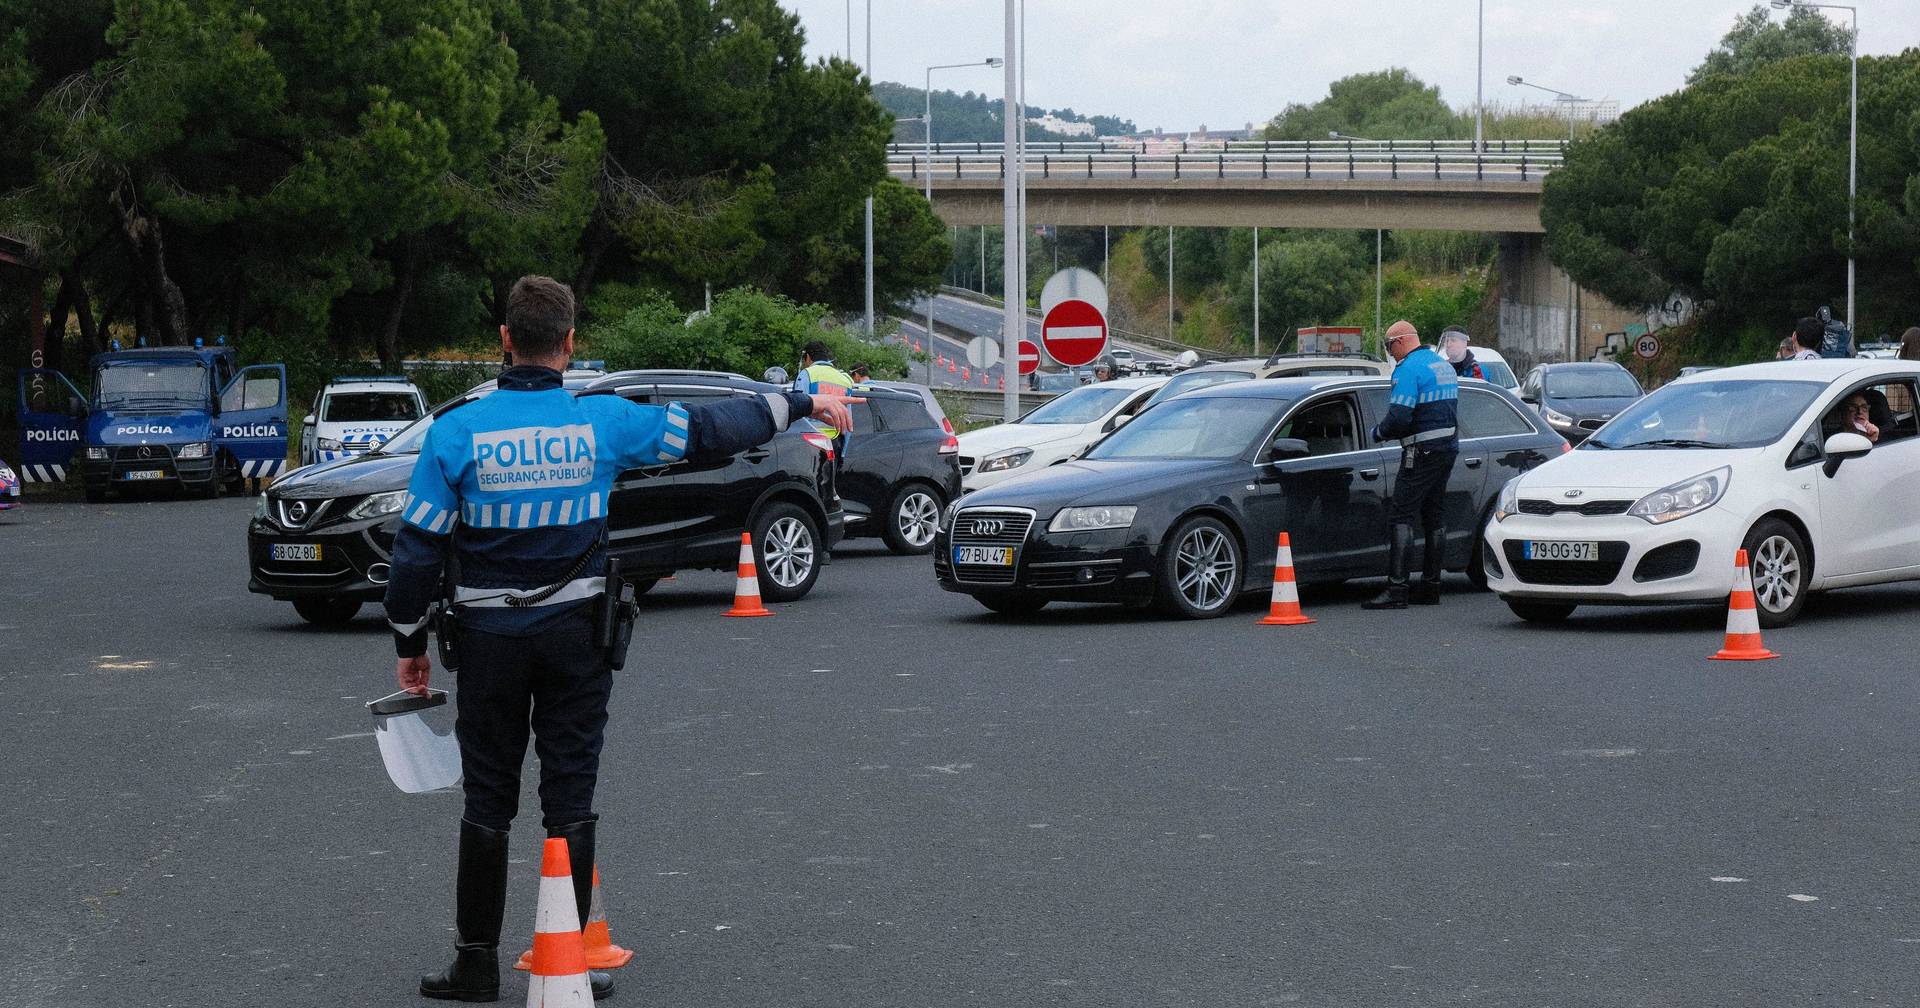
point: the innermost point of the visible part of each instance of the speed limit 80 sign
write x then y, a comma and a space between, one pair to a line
1647, 347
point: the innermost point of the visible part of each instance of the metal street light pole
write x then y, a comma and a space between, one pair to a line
927, 118
1853, 128
1479, 78
1013, 261
1573, 323
869, 202
1379, 244
1256, 292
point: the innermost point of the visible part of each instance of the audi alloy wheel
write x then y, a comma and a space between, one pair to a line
1201, 572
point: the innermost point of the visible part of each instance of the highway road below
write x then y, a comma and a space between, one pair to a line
974, 319
885, 796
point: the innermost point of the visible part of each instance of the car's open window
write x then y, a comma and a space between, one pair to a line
1328, 426
1889, 412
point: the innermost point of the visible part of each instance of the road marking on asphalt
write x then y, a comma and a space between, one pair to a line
1726, 878
358, 734
1802, 898
1601, 753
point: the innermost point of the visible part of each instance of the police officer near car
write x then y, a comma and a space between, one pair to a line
1420, 415
513, 489
819, 376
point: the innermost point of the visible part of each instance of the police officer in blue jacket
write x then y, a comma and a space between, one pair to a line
1420, 415
514, 486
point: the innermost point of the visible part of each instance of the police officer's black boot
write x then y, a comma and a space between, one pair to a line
579, 837
1427, 592
480, 900
1394, 596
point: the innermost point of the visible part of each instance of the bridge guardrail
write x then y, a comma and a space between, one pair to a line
1242, 165
1489, 148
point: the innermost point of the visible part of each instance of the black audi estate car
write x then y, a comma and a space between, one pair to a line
322, 536
902, 466
1182, 507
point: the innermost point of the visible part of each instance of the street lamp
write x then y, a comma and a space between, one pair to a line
1573, 331
1853, 123
1379, 242
991, 61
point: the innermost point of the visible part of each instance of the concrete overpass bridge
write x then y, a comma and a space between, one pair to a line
1424, 185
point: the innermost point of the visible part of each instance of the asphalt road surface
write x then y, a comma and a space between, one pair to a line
884, 796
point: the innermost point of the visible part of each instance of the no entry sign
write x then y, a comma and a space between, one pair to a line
1029, 357
1074, 333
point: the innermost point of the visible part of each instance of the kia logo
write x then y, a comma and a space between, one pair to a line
1573, 493
297, 511
988, 526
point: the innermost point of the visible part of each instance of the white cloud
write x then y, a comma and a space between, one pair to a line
1227, 62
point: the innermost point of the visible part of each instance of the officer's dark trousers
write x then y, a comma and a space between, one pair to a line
557, 684
1420, 491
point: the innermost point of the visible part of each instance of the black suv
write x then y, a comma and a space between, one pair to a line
902, 466
323, 535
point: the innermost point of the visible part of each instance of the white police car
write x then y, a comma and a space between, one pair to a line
353, 415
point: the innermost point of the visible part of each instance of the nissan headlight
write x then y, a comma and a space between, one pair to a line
1087, 519
379, 504
96, 454
1005, 460
260, 507
331, 444
196, 450
1683, 498
1509, 504
1559, 419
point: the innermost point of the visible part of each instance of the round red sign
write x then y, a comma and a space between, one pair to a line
1074, 332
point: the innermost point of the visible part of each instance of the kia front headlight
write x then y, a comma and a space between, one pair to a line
1011, 459
1509, 504
379, 504
1559, 419
1087, 519
1683, 498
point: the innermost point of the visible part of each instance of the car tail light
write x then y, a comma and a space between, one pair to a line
1565, 446
951, 447
820, 441
946, 425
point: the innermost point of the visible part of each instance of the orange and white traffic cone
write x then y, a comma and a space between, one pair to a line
746, 590
1284, 610
950, 368
595, 938
1743, 619
559, 962
1003, 384
966, 374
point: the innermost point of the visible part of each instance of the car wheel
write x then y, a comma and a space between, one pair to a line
1011, 605
1477, 560
786, 552
912, 518
1541, 612
1778, 560
327, 610
1200, 570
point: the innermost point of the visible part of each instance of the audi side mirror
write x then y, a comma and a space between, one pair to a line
1843, 446
1284, 448
1120, 421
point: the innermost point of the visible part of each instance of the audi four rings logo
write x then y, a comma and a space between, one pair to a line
988, 526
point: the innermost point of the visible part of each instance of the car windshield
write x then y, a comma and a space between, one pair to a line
370, 407
1210, 427
1498, 373
1191, 380
1708, 414
151, 384
1080, 406
407, 441
1607, 383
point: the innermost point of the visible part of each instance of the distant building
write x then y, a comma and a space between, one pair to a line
1054, 124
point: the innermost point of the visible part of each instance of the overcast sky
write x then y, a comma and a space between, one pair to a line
1223, 63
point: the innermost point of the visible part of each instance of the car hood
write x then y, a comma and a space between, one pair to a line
1627, 470
1092, 482
1586, 408
987, 440
110, 427
361, 474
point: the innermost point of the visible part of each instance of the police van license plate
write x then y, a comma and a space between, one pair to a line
293, 551
146, 474
993, 556
1537, 550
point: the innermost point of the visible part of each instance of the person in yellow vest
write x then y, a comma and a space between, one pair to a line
819, 376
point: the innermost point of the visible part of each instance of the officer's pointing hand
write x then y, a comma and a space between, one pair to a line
832, 409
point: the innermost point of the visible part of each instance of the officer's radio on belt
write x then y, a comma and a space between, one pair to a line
614, 614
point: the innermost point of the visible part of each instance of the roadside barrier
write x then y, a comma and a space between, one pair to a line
1743, 619
746, 590
558, 960
595, 938
1284, 609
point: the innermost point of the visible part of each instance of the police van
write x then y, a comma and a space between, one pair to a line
186, 417
354, 415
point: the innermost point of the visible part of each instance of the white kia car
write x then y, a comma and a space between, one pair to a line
1052, 432
1812, 467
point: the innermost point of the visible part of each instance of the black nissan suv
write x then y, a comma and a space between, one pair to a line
322, 536
902, 466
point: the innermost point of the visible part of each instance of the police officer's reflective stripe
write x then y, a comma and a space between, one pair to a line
424, 514
673, 440
499, 598
527, 514
1436, 434
409, 629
